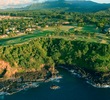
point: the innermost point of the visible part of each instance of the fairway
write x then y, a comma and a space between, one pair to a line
90, 28
22, 39
63, 28
86, 28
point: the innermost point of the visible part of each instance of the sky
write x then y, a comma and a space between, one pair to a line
101, 1
15, 3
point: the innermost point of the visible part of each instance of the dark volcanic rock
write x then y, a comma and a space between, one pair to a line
24, 80
96, 79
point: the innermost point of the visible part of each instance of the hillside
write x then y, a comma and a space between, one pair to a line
49, 51
77, 6
102, 12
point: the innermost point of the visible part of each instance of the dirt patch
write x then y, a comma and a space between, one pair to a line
6, 70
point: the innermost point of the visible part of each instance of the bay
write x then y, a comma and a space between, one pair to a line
71, 88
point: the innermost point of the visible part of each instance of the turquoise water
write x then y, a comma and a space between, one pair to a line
71, 88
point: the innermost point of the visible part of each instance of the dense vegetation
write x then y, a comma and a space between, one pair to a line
28, 21
51, 51
54, 37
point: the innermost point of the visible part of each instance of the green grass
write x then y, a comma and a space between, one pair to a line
100, 38
90, 28
23, 38
86, 28
63, 28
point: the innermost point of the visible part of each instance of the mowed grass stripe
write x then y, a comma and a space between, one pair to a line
22, 39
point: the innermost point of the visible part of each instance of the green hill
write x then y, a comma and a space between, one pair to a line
77, 6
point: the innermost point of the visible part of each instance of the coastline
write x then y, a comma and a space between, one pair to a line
95, 79
25, 80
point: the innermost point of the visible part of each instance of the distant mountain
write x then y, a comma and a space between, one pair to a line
70, 5
103, 12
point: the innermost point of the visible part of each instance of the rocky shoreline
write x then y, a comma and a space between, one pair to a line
25, 80
98, 80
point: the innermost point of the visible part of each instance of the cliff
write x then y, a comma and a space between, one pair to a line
54, 51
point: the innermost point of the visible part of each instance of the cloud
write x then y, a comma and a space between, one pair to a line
102, 1
17, 3
5, 3
40, 0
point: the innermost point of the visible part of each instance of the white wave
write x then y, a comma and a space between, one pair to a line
98, 85
34, 85
91, 83
2, 93
72, 71
55, 79
63, 67
25, 87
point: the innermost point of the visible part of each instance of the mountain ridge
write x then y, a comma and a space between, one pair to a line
72, 6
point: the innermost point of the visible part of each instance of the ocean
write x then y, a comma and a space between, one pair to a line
71, 88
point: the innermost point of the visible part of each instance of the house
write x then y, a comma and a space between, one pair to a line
66, 23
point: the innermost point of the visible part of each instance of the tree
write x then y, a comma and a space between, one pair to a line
3, 29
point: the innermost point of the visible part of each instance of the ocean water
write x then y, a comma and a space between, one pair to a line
71, 88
